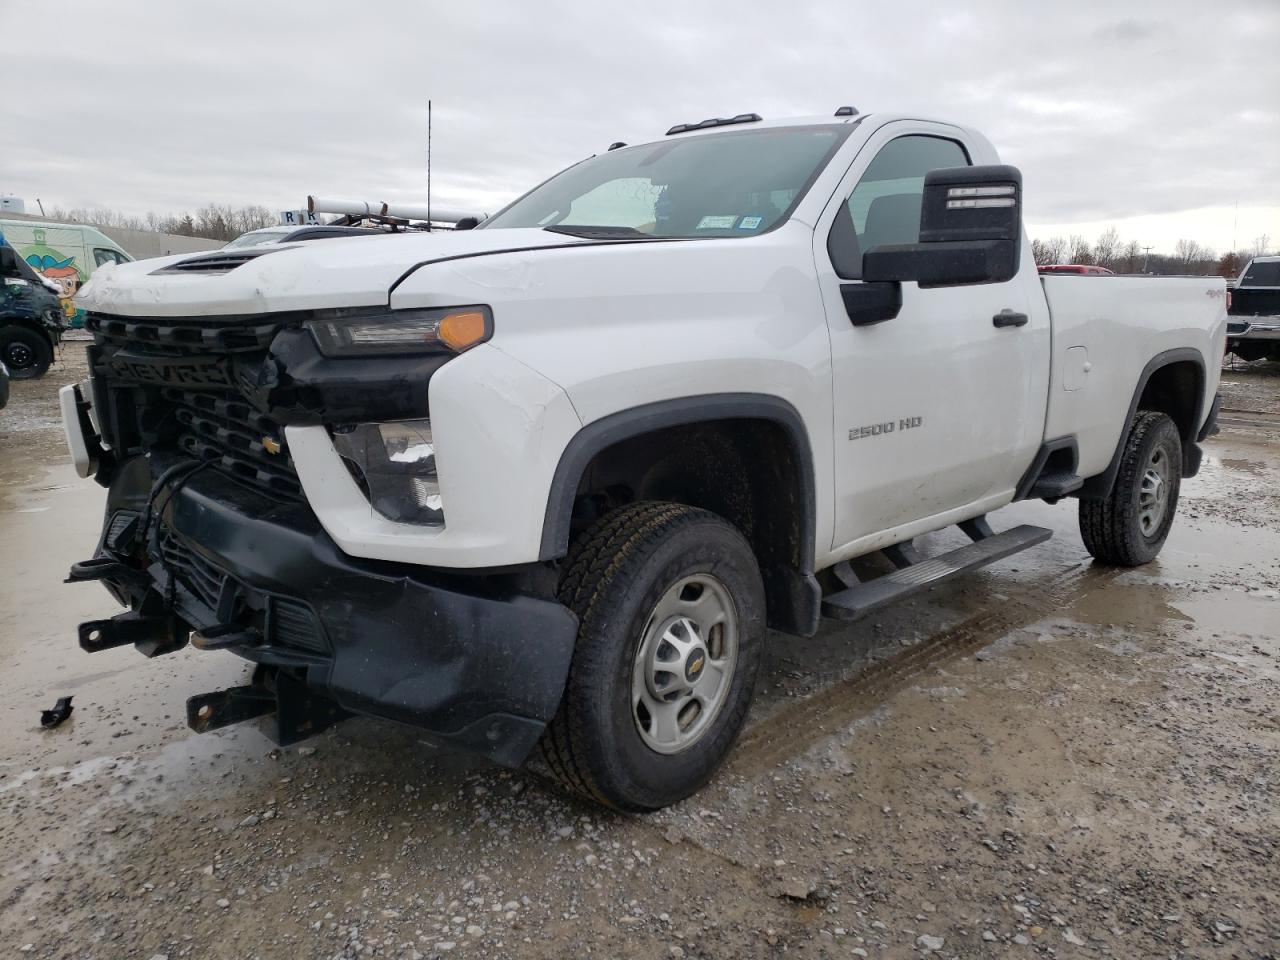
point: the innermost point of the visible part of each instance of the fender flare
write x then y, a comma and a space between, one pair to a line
1099, 487
625, 424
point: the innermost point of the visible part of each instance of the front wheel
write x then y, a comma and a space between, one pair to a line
25, 352
671, 628
1129, 527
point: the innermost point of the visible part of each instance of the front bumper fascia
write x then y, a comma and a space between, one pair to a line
477, 660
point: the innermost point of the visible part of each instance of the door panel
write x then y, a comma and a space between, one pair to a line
937, 408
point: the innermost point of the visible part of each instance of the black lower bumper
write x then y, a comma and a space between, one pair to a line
476, 661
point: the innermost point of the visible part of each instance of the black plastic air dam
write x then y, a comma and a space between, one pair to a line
470, 659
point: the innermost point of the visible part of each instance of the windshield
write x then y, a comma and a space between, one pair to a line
255, 237
1262, 273
733, 184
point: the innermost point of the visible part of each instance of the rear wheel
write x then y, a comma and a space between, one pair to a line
671, 626
1129, 527
25, 352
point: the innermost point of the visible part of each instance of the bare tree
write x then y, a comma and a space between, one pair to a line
214, 221
1079, 250
1261, 245
1131, 259
1106, 252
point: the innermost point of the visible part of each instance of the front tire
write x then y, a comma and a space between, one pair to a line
25, 352
1129, 527
671, 628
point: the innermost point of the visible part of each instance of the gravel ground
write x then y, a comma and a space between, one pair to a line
1044, 759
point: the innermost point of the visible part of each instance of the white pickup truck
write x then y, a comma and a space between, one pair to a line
544, 483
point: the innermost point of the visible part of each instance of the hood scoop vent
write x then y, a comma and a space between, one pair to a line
213, 263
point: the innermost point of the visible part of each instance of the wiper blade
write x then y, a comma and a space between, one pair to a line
597, 233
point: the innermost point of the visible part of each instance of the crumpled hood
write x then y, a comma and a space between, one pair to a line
315, 274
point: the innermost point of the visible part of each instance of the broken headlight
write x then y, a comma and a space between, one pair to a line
395, 465
362, 332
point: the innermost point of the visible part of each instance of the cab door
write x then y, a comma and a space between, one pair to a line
939, 409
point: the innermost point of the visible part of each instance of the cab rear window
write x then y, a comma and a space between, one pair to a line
1266, 274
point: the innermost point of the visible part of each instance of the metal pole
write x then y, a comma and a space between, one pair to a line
428, 164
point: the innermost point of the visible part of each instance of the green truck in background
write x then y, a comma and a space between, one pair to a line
31, 318
66, 253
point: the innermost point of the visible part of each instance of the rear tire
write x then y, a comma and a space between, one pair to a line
25, 352
671, 628
1129, 527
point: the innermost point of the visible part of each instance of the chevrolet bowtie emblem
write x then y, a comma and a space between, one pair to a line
271, 445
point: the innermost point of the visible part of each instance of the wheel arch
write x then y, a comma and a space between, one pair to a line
627, 439
1173, 383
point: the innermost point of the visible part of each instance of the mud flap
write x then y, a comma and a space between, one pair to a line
298, 713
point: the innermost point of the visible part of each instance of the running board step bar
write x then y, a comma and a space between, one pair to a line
857, 601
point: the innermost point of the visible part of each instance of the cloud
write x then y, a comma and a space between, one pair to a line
162, 106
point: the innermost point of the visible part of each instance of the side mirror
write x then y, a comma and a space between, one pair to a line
970, 231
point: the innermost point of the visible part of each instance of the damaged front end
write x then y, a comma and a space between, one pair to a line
208, 539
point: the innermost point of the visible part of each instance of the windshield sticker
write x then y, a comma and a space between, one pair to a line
717, 223
749, 223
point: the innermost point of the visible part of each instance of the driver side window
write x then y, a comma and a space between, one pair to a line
102, 256
884, 207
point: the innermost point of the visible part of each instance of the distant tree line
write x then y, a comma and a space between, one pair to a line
215, 221
1188, 257
224, 222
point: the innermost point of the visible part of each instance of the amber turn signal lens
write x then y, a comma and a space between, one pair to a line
462, 330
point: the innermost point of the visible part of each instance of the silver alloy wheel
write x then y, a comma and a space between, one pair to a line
1153, 494
684, 664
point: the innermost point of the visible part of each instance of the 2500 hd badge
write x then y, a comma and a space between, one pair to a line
879, 429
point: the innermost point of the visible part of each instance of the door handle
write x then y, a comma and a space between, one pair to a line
1008, 318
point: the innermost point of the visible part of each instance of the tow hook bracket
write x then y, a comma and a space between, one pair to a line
103, 568
212, 711
224, 636
298, 712
153, 636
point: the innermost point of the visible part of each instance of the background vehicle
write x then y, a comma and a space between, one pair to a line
1079, 269
295, 234
65, 253
545, 482
30, 318
4, 385
1253, 331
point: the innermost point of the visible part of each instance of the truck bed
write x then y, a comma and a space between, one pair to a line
1106, 330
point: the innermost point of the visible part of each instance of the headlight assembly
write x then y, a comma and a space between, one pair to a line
359, 332
395, 463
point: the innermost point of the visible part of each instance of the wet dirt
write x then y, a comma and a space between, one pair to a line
1043, 758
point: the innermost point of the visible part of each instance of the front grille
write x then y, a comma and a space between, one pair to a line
223, 428
173, 385
189, 336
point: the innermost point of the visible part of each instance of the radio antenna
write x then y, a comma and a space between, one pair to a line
428, 164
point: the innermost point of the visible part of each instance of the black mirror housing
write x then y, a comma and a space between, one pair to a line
970, 231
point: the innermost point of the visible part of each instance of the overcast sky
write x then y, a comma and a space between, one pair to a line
1159, 118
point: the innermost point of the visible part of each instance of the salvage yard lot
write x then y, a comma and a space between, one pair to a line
1045, 757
